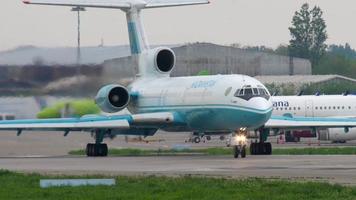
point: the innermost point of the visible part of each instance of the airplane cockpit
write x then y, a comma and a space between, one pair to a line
247, 92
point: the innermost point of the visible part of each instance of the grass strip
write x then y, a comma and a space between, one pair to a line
26, 186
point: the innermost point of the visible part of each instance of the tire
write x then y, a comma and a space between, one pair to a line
243, 152
236, 152
196, 140
90, 150
104, 148
252, 149
208, 137
268, 148
87, 150
222, 137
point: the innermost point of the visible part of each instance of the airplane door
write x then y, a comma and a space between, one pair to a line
309, 108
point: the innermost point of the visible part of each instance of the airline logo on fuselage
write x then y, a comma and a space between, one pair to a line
203, 84
280, 103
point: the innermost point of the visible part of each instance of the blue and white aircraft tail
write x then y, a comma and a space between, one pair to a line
138, 41
201, 104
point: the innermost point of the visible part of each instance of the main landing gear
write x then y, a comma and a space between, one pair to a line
261, 147
197, 137
97, 149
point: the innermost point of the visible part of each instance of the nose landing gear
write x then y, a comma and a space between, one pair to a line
239, 143
239, 150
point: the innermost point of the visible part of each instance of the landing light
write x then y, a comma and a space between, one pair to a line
240, 139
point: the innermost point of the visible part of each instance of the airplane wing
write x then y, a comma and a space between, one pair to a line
90, 123
119, 4
287, 122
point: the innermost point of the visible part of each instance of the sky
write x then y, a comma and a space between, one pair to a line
247, 22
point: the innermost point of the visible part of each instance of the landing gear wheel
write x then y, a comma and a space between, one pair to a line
261, 148
243, 152
253, 149
236, 151
208, 137
196, 140
94, 150
268, 147
222, 138
239, 150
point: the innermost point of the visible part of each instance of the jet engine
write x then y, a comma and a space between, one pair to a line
337, 134
163, 59
112, 98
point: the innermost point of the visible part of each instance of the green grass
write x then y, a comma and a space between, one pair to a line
316, 151
226, 151
21, 186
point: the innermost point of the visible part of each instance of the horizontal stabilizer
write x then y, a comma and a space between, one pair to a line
118, 4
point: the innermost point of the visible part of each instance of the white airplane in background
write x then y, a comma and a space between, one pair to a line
157, 101
320, 106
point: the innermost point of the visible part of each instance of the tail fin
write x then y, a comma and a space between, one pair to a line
138, 41
132, 8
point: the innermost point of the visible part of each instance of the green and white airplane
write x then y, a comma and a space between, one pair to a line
157, 101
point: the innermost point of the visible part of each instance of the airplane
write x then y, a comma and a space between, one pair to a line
217, 103
320, 106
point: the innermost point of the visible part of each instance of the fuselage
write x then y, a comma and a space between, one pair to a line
319, 106
315, 106
205, 103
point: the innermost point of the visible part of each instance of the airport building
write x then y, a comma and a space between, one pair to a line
217, 59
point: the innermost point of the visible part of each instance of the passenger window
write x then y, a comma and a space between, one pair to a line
298, 108
9, 117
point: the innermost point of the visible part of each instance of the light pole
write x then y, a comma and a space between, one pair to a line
78, 9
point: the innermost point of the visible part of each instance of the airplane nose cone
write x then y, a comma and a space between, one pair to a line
261, 104
263, 110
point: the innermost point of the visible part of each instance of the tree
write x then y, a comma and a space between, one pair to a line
308, 34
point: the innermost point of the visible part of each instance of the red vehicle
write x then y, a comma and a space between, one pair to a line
295, 135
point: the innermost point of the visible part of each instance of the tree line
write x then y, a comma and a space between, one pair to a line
308, 35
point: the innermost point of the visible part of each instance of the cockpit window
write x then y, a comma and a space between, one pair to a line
255, 90
247, 92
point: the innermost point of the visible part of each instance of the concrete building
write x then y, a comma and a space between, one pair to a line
193, 58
